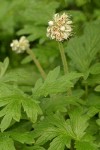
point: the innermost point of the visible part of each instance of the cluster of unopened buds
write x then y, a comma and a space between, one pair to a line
21, 45
60, 28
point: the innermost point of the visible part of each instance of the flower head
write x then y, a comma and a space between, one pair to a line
21, 45
60, 28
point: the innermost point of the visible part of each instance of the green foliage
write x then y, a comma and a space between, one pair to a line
83, 50
61, 112
53, 84
6, 142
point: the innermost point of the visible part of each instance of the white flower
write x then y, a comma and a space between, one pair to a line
14, 45
50, 23
21, 45
60, 28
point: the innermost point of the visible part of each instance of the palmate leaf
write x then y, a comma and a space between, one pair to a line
34, 9
7, 139
82, 50
6, 143
95, 69
53, 128
24, 137
54, 84
3, 67
20, 76
84, 145
33, 33
77, 124
59, 103
12, 103
34, 27
57, 144
94, 80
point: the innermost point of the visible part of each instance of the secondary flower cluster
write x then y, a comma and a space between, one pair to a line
60, 28
21, 45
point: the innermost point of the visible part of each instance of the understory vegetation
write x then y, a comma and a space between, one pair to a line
43, 106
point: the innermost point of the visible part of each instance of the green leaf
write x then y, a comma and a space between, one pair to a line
59, 103
49, 134
36, 147
97, 88
31, 108
26, 137
82, 2
95, 69
46, 55
77, 124
6, 143
98, 121
52, 128
12, 103
94, 79
82, 50
33, 31
92, 111
93, 100
57, 144
54, 84
20, 76
83, 145
4, 66
26, 60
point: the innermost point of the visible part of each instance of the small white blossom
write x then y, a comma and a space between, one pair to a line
50, 23
21, 45
60, 28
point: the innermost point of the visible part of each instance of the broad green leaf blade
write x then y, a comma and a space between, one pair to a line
77, 124
82, 50
53, 75
97, 88
20, 76
12, 101
57, 144
92, 111
25, 137
59, 103
53, 128
4, 66
48, 135
95, 69
54, 84
6, 143
31, 108
83, 145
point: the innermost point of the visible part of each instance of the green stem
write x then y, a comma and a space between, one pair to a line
63, 57
42, 72
64, 61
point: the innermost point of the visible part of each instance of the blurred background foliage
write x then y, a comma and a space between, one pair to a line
30, 18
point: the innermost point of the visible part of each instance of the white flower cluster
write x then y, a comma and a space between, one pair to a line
21, 45
60, 28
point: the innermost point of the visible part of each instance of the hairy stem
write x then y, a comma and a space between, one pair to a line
42, 72
63, 57
64, 61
